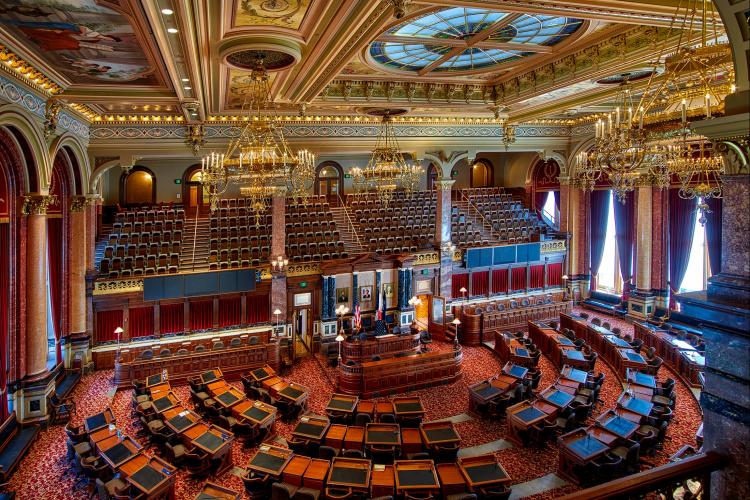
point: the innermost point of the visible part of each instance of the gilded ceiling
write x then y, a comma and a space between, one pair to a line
514, 59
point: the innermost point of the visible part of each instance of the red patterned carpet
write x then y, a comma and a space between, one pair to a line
41, 474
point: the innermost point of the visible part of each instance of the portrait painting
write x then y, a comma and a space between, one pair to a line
342, 295
365, 293
83, 39
388, 290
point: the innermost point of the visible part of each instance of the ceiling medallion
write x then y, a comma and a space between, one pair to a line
246, 59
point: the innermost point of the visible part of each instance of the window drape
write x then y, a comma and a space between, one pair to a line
480, 283
625, 238
500, 281
518, 278
141, 322
202, 315
4, 321
598, 221
539, 199
230, 312
713, 234
557, 199
54, 259
171, 318
106, 323
554, 274
537, 276
457, 282
681, 227
258, 309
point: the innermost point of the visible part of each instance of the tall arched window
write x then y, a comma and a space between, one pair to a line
609, 279
138, 187
329, 180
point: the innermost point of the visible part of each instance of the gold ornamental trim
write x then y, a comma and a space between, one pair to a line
79, 203
553, 246
306, 269
111, 287
458, 255
37, 204
425, 258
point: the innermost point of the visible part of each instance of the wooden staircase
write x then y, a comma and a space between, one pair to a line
196, 244
347, 231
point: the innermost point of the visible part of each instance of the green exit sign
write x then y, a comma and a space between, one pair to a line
303, 284
425, 271
347, 176
178, 181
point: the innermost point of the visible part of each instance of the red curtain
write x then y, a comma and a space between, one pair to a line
681, 226
598, 222
106, 323
554, 274
258, 309
202, 315
4, 301
55, 251
480, 283
537, 277
141, 322
459, 281
518, 278
625, 237
500, 281
171, 318
230, 312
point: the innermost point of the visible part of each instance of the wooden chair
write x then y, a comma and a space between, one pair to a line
61, 410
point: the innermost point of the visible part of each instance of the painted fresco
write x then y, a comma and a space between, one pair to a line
286, 13
239, 84
87, 42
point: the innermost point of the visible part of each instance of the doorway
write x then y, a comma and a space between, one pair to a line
432, 176
303, 333
329, 181
481, 174
421, 310
193, 193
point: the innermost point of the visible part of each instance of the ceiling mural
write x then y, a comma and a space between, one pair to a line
238, 84
82, 39
285, 13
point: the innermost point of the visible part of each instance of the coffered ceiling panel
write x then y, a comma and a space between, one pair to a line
284, 13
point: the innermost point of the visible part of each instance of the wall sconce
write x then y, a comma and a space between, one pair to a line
279, 264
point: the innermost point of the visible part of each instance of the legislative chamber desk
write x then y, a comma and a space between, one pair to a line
685, 359
615, 351
233, 361
555, 345
400, 373
510, 349
383, 345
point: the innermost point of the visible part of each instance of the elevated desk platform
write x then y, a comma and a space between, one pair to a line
384, 346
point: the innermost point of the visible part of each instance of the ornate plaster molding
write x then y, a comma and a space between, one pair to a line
79, 203
109, 287
36, 204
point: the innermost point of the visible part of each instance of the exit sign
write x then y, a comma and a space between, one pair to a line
303, 284
178, 181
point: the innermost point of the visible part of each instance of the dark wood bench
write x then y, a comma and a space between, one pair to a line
15, 440
606, 303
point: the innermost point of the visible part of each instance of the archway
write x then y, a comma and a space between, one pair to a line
432, 176
329, 181
194, 196
481, 174
138, 187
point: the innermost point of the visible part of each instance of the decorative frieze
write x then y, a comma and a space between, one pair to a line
552, 246
426, 258
109, 287
305, 269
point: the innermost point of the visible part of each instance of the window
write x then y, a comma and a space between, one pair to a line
51, 340
609, 280
698, 269
550, 208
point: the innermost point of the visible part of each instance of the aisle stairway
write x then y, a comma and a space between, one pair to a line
347, 231
201, 237
477, 221
101, 244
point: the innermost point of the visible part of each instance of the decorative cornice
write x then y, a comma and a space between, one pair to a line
426, 258
37, 204
445, 183
306, 269
552, 246
19, 68
109, 287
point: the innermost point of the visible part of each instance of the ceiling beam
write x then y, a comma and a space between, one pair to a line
454, 42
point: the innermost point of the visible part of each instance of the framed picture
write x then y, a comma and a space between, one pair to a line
302, 299
342, 295
388, 290
365, 293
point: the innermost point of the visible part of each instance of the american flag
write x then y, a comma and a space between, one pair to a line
379, 315
357, 318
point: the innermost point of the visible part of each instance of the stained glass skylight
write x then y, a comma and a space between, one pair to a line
464, 39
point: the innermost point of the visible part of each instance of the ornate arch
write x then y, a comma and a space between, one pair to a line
79, 160
489, 169
123, 182
29, 136
337, 167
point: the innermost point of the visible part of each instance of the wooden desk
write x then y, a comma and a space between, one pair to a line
215, 441
578, 447
382, 481
559, 398
294, 470
351, 473
575, 359
383, 407
228, 397
255, 412
408, 407
116, 450
155, 379
416, 476
293, 392
354, 438
99, 420
452, 481
103, 433
628, 358
603, 435
366, 406
439, 433
635, 404
212, 491
271, 381
270, 459
574, 374
515, 371
692, 363
636, 377
521, 417
164, 401
179, 419
482, 471
335, 436
342, 403
152, 476
618, 425
311, 428
482, 393
211, 375
411, 440
159, 388
382, 435
315, 475
262, 373
217, 386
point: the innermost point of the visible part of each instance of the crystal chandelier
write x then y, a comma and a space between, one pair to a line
259, 160
699, 170
387, 171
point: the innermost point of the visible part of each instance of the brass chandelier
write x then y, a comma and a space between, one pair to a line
259, 160
387, 171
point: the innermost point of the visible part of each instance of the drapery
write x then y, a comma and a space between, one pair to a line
258, 309
480, 283
140, 322
500, 281
230, 311
518, 278
201, 315
557, 199
554, 274
625, 238
539, 199
4, 320
171, 318
681, 227
537, 276
598, 221
106, 324
54, 259
459, 281
713, 234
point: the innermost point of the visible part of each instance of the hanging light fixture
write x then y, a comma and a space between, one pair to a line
387, 171
699, 170
259, 160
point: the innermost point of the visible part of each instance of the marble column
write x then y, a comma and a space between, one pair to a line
355, 291
278, 221
332, 297
574, 222
443, 213
643, 239
78, 343
35, 208
659, 211
378, 298
324, 299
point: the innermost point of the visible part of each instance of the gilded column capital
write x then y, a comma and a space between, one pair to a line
445, 183
37, 204
565, 180
79, 203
